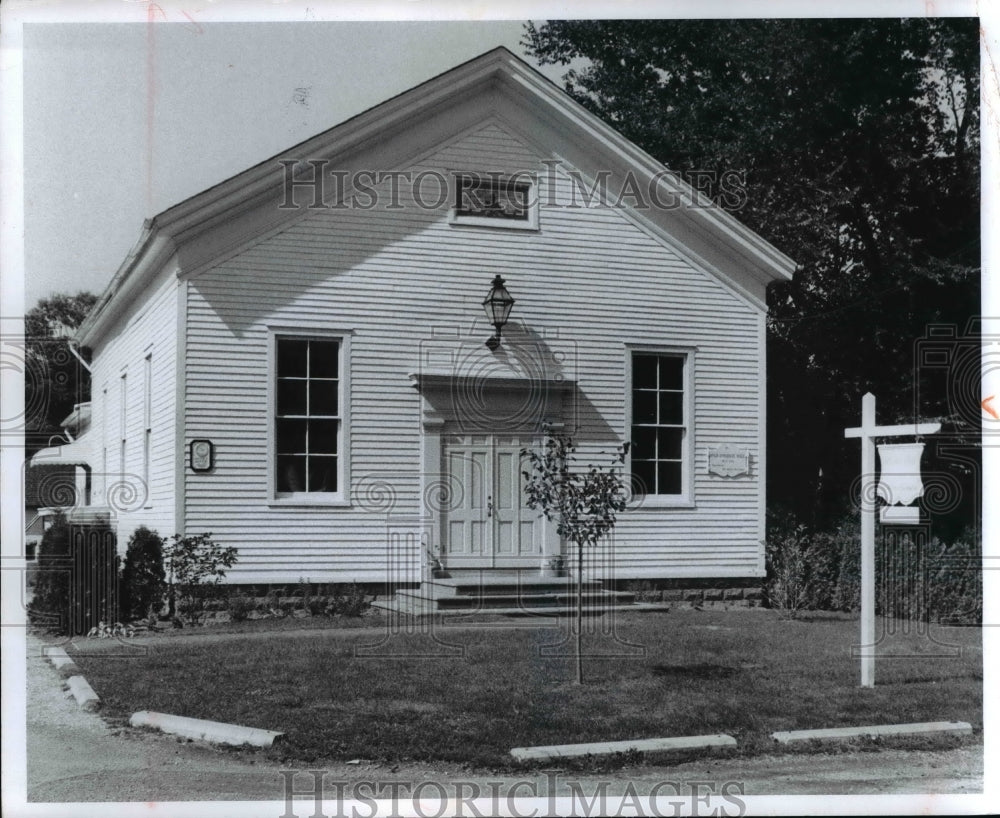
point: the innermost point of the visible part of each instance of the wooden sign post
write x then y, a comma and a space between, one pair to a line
868, 431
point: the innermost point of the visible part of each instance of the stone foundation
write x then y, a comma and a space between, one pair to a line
696, 593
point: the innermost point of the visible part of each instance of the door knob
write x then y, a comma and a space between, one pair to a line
489, 506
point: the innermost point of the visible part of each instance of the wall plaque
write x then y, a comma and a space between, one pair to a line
202, 455
728, 461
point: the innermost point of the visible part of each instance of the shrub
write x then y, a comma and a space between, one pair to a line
240, 607
318, 606
787, 583
143, 576
956, 590
915, 580
349, 600
77, 584
195, 567
49, 607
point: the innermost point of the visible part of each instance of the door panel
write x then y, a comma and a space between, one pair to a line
488, 524
469, 478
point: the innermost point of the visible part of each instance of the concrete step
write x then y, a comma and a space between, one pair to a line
491, 585
505, 595
543, 615
544, 599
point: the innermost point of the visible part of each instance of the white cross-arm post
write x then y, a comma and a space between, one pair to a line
868, 431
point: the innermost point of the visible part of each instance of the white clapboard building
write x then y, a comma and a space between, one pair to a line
295, 359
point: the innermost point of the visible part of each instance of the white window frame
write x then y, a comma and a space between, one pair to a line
105, 420
531, 180
147, 424
123, 424
686, 498
341, 497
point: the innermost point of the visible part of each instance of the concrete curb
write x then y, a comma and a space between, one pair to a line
917, 728
610, 747
60, 660
204, 730
83, 693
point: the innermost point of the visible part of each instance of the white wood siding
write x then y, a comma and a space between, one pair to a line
588, 282
147, 328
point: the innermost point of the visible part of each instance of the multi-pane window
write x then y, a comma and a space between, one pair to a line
308, 415
658, 424
491, 197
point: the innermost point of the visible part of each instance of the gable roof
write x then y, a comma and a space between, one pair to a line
707, 234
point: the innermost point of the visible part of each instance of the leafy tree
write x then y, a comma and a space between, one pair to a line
55, 380
859, 144
583, 503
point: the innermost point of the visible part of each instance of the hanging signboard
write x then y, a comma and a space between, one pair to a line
728, 461
900, 482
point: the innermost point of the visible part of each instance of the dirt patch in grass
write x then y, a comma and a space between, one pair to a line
468, 696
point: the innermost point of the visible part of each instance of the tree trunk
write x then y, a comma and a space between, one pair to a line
579, 613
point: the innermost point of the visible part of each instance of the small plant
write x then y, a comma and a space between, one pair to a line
239, 608
349, 600
318, 606
787, 584
195, 567
107, 631
304, 593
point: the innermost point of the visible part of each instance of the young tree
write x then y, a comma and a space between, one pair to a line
583, 503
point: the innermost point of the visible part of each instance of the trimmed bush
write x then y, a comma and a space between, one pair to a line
143, 575
77, 582
916, 578
49, 607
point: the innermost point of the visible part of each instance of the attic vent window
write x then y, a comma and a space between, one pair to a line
491, 200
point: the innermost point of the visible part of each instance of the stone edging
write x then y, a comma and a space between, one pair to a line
599, 748
68, 669
874, 730
204, 730
604, 748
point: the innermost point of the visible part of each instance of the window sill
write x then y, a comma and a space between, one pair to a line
653, 501
479, 222
306, 502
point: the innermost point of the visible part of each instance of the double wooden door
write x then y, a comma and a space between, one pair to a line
487, 523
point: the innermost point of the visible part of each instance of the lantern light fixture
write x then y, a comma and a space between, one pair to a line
498, 305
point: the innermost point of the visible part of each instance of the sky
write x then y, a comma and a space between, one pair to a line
124, 120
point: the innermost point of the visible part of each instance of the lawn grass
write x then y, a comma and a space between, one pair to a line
746, 673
